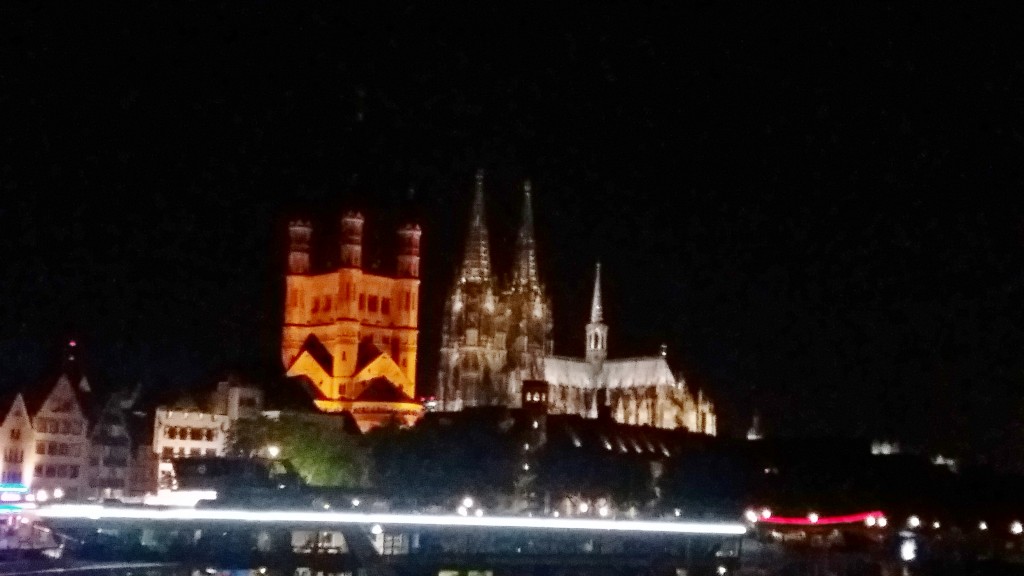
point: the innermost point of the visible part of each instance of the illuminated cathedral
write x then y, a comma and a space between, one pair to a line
496, 336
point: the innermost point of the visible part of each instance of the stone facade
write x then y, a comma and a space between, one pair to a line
496, 336
344, 329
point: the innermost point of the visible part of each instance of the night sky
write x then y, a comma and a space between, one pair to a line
818, 209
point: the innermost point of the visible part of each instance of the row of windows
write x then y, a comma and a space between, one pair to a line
14, 455
58, 426
188, 433
57, 471
169, 452
370, 303
58, 449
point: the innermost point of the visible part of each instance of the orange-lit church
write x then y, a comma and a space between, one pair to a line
351, 335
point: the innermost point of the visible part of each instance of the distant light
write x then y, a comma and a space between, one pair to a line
982, 526
462, 510
869, 521
883, 521
908, 550
479, 512
751, 516
526, 446
526, 466
1016, 528
274, 451
355, 502
555, 514
936, 525
58, 493
377, 530
722, 570
72, 343
678, 512
584, 507
327, 506
42, 496
467, 502
913, 521
813, 517
766, 513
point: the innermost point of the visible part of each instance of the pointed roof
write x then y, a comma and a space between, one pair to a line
596, 312
524, 275
316, 349
381, 389
476, 263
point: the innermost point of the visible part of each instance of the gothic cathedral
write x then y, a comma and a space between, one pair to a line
494, 337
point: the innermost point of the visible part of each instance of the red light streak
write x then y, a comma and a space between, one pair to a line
805, 521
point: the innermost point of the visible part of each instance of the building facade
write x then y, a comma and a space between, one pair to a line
345, 329
497, 336
194, 432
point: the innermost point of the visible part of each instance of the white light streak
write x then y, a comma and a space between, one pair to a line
97, 512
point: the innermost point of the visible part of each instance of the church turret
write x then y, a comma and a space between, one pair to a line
476, 263
299, 234
524, 275
352, 240
597, 330
409, 251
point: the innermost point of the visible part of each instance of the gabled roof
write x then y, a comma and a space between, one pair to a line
381, 389
625, 373
368, 352
7, 401
316, 349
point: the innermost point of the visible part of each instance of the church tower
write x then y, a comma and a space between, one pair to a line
597, 330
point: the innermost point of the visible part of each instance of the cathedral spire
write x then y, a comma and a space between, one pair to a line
524, 275
597, 330
596, 312
476, 265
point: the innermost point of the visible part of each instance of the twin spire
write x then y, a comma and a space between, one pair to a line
596, 312
476, 265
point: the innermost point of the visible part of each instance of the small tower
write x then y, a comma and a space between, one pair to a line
597, 330
409, 251
352, 240
299, 234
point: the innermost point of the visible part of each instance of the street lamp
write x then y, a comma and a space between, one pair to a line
273, 450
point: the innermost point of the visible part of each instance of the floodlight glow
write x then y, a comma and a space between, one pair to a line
584, 507
377, 529
869, 521
813, 517
936, 525
478, 512
602, 511
913, 522
467, 502
92, 511
982, 526
751, 516
882, 522
766, 513
1016, 528
58, 493
462, 510
908, 550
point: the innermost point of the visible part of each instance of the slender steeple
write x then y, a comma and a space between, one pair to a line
524, 275
596, 313
476, 265
597, 330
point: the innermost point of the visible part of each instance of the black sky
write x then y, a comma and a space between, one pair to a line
817, 208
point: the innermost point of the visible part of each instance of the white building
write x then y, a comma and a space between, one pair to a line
182, 433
